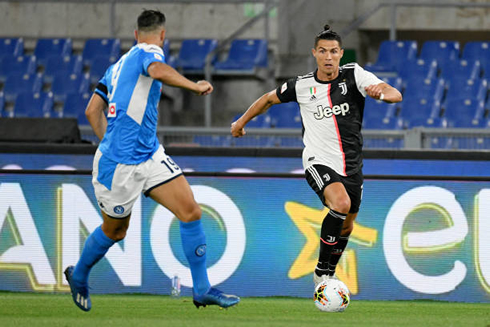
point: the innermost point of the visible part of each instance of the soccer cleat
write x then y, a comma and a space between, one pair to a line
79, 293
215, 297
318, 279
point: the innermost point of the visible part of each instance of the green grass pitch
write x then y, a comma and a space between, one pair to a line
27, 309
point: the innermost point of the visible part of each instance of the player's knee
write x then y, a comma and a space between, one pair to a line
342, 205
191, 214
117, 234
347, 229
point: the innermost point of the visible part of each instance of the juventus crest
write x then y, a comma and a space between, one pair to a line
343, 86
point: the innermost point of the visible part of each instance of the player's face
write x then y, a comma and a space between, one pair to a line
328, 54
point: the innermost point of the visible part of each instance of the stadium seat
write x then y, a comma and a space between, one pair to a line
464, 112
66, 65
380, 109
10, 65
386, 123
285, 115
420, 69
462, 69
458, 88
93, 48
11, 47
18, 83
192, 54
260, 121
33, 105
420, 112
485, 66
99, 67
441, 51
392, 55
46, 48
394, 81
291, 141
213, 140
64, 84
244, 56
383, 143
253, 141
476, 50
2, 105
429, 88
75, 105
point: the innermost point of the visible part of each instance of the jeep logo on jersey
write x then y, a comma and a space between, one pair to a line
327, 112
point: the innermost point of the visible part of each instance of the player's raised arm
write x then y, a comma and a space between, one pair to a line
95, 115
260, 106
384, 92
166, 74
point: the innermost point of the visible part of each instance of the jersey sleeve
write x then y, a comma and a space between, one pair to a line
150, 57
364, 79
101, 88
287, 91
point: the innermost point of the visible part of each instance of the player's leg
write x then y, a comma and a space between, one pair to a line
327, 184
169, 187
354, 187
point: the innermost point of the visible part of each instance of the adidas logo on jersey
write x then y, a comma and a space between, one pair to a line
312, 98
327, 112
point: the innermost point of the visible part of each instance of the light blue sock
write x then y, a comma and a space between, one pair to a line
96, 246
194, 244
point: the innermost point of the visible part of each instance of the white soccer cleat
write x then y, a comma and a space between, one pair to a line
318, 279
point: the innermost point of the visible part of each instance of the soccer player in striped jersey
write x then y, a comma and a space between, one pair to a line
130, 160
331, 101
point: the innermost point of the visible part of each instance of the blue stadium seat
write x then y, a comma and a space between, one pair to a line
420, 69
285, 115
192, 54
485, 66
291, 141
476, 50
213, 140
46, 48
387, 123
11, 47
64, 84
10, 65
94, 48
253, 141
2, 105
460, 88
392, 55
464, 112
394, 81
99, 67
19, 83
429, 88
75, 105
462, 69
244, 56
66, 65
260, 121
33, 105
441, 51
380, 109
421, 112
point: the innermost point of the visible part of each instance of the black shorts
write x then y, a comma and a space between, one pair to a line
319, 177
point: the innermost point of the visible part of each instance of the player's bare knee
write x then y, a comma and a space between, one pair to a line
191, 214
341, 205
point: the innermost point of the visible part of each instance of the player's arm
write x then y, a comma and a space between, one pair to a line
96, 116
385, 92
166, 74
260, 106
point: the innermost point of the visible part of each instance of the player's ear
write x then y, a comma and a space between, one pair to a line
313, 52
341, 52
162, 35
136, 35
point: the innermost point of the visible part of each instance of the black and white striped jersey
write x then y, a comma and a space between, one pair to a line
332, 116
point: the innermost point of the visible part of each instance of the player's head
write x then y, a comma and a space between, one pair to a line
151, 24
328, 52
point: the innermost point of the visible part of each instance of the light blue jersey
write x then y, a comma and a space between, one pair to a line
132, 97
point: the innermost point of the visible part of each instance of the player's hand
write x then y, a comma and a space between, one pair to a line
374, 91
237, 130
204, 88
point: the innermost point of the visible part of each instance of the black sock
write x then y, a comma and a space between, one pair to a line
329, 236
336, 254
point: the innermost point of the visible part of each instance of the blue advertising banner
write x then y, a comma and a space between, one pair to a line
416, 239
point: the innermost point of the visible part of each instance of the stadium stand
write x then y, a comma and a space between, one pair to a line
11, 65
460, 69
458, 88
62, 64
244, 57
420, 69
94, 48
260, 121
192, 54
428, 88
382, 123
392, 55
99, 67
65, 84
464, 112
441, 51
46, 48
421, 112
33, 105
476, 50
2, 105
19, 83
380, 109
213, 140
74, 107
285, 115
11, 46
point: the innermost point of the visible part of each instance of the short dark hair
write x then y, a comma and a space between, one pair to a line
150, 20
328, 34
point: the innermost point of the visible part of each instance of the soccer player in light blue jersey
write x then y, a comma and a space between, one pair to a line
130, 160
